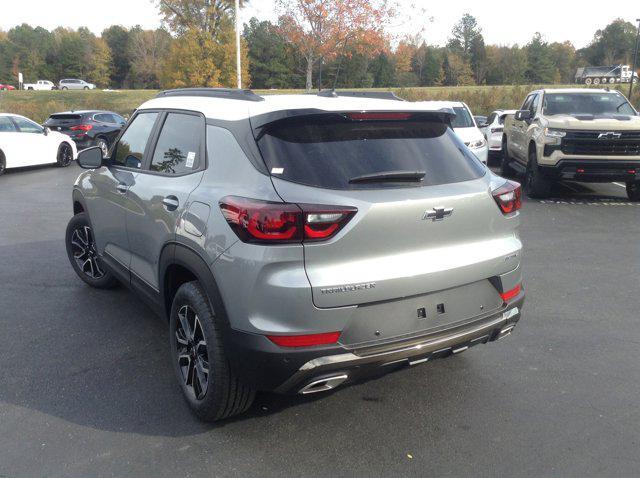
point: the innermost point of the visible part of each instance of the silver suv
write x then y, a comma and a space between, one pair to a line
299, 242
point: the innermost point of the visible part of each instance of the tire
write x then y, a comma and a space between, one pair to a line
103, 145
207, 381
86, 88
505, 160
81, 250
612, 81
3, 163
596, 81
535, 185
588, 81
633, 190
64, 88
65, 155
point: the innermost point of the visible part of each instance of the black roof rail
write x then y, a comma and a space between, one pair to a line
380, 95
228, 93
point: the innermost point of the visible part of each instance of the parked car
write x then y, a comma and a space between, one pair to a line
75, 84
282, 266
573, 134
88, 128
6, 87
25, 143
43, 85
493, 128
465, 126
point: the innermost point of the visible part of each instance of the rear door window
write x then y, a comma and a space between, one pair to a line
6, 125
27, 126
178, 148
130, 148
330, 150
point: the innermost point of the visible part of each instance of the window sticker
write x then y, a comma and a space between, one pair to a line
191, 157
277, 170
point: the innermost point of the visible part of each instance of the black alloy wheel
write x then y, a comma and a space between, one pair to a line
84, 252
65, 155
193, 356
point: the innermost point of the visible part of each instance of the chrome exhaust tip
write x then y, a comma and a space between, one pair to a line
323, 384
506, 331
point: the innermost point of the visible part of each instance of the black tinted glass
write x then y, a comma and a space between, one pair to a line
178, 147
130, 148
328, 151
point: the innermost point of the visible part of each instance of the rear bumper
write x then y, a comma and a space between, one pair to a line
590, 170
265, 366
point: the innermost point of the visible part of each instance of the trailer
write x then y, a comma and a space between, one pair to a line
596, 75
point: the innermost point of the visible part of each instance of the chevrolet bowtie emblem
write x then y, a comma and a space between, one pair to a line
609, 135
437, 213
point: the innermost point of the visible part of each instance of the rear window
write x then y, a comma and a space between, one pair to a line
328, 150
65, 117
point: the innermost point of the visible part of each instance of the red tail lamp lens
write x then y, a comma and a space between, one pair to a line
82, 127
510, 294
304, 340
393, 116
275, 223
508, 197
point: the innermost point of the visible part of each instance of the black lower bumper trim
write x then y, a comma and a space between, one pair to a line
587, 170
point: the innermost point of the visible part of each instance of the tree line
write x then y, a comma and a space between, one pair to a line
314, 43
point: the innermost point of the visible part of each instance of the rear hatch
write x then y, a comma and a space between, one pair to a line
63, 122
430, 226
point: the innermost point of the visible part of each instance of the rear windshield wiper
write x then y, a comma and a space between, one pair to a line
391, 176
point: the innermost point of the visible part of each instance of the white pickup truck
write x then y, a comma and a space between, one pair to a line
39, 85
575, 134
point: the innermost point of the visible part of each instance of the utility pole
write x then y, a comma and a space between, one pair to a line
635, 59
238, 65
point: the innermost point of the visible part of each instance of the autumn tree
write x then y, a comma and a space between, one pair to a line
323, 29
147, 52
203, 54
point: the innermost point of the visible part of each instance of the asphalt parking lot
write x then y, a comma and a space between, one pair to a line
87, 389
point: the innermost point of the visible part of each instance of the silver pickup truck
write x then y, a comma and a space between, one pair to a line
577, 134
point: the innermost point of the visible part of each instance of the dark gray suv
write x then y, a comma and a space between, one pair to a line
299, 242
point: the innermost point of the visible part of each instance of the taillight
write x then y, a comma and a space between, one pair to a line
510, 294
305, 340
82, 127
268, 222
508, 197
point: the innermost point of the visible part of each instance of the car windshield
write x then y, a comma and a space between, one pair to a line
330, 151
463, 118
586, 103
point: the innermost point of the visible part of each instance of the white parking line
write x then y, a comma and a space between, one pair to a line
620, 184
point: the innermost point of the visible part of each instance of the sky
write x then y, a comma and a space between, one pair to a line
503, 23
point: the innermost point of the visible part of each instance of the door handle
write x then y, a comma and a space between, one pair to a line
122, 188
171, 203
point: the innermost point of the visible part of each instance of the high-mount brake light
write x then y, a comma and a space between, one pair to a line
393, 116
508, 197
82, 127
305, 340
266, 222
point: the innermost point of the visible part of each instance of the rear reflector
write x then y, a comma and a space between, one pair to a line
510, 294
276, 223
304, 340
508, 197
379, 116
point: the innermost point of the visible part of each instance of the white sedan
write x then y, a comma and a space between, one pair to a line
25, 143
493, 129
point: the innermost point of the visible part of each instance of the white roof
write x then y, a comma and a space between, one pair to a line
232, 110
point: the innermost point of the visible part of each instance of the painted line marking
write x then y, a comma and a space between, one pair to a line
621, 185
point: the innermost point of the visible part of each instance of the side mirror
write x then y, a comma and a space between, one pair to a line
523, 115
90, 158
46, 131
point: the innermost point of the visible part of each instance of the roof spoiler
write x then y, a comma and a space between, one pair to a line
380, 95
227, 93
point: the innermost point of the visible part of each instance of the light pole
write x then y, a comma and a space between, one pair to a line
635, 58
238, 65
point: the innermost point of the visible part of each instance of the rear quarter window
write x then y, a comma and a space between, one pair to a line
328, 150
